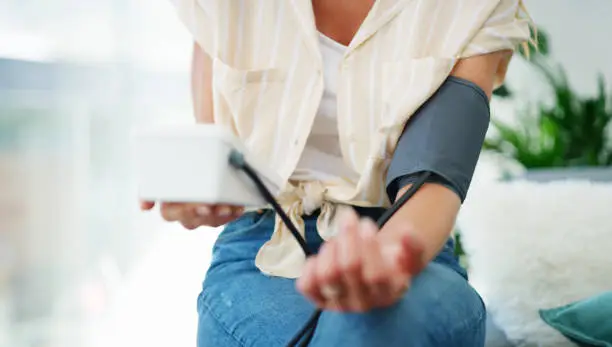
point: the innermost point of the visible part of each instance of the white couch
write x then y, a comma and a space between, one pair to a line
536, 245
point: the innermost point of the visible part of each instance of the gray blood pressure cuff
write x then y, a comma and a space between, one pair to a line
445, 137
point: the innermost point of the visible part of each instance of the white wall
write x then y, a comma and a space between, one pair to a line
580, 35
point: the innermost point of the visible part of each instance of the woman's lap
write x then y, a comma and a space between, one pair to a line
239, 306
439, 309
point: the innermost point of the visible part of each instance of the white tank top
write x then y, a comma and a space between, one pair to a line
321, 159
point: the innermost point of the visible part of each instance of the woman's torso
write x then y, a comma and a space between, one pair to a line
321, 159
268, 83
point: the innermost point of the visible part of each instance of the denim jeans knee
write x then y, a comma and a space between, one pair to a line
439, 310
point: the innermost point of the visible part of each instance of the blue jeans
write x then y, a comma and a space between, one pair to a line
239, 306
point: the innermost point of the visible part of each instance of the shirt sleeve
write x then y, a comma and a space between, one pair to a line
505, 28
198, 17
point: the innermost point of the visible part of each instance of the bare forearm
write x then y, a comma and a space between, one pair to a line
201, 85
429, 216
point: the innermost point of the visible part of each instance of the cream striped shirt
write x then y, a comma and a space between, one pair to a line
267, 85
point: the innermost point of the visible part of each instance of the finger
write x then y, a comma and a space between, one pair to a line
189, 217
219, 221
407, 263
194, 223
223, 211
238, 211
351, 263
307, 283
203, 214
376, 273
203, 210
328, 274
172, 212
223, 214
146, 205
410, 260
206, 210
216, 215
327, 269
211, 221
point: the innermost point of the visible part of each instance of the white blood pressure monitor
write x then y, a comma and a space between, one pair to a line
190, 163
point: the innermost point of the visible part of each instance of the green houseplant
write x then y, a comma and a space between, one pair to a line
571, 132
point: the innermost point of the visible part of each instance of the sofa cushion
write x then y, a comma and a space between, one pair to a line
535, 246
588, 322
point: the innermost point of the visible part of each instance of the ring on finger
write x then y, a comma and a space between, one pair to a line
331, 292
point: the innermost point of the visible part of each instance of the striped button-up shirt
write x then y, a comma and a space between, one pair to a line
268, 83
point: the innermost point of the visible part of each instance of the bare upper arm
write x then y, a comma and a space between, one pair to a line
430, 214
201, 85
484, 70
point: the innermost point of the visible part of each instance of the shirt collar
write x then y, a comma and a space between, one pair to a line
381, 13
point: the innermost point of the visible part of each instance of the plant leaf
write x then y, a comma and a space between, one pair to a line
574, 131
541, 38
502, 91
